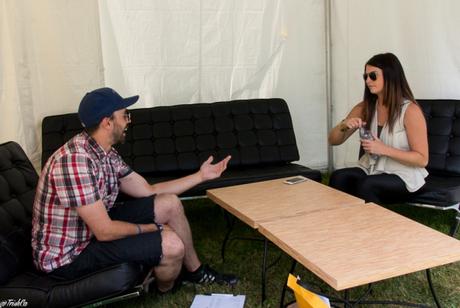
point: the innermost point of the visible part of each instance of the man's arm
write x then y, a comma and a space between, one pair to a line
105, 229
136, 186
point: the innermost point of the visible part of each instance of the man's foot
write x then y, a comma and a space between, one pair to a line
206, 275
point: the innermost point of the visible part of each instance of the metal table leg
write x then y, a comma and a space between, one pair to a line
433, 292
264, 270
283, 293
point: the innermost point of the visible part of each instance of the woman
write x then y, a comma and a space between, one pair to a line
393, 163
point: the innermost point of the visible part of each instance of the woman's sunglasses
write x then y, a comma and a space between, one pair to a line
372, 76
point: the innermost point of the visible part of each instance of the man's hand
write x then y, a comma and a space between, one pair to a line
209, 171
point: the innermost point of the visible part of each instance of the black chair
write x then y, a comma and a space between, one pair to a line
18, 278
442, 188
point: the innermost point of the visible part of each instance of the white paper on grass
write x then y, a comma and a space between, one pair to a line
218, 301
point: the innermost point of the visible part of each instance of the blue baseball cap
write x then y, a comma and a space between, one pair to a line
101, 103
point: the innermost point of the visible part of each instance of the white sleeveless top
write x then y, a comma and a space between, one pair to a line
413, 177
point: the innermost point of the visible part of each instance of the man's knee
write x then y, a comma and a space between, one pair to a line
172, 245
169, 203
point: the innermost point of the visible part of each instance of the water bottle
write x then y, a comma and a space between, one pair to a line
366, 134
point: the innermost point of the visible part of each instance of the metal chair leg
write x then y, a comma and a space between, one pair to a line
455, 225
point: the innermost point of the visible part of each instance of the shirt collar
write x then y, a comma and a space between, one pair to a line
95, 147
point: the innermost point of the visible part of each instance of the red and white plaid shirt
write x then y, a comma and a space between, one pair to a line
77, 174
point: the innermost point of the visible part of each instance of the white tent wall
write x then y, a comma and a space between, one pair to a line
50, 55
171, 52
176, 52
423, 34
302, 78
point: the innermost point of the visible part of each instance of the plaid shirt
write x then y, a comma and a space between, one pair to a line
77, 174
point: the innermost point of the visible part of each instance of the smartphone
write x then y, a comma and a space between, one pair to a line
295, 180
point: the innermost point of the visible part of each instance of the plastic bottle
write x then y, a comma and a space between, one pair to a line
366, 134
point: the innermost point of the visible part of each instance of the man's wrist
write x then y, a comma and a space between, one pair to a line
200, 176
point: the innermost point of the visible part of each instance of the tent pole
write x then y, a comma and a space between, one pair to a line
328, 60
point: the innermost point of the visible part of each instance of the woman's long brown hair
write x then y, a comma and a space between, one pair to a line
396, 89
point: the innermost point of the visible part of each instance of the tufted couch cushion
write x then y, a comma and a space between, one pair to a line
17, 189
169, 141
442, 186
18, 278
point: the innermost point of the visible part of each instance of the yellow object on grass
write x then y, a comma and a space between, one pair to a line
304, 297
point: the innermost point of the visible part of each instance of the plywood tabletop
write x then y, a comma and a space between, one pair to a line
263, 201
352, 246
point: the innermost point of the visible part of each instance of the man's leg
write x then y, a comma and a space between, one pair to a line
163, 250
171, 262
169, 210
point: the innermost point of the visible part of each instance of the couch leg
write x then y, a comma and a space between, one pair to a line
130, 294
455, 225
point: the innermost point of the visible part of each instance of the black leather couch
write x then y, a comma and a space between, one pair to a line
170, 141
162, 143
19, 281
442, 188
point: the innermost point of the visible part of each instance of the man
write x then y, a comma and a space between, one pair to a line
77, 225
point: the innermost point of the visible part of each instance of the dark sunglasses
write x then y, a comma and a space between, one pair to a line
372, 76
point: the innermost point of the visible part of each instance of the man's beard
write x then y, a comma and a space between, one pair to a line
119, 136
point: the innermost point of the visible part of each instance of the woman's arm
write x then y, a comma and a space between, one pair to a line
347, 126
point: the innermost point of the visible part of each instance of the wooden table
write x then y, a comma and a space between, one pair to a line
272, 200
353, 246
336, 236
265, 201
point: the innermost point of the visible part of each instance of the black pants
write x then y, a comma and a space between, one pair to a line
144, 248
378, 188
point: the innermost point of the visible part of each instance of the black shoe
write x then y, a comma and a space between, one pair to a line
206, 275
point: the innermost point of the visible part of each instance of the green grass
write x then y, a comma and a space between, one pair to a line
244, 258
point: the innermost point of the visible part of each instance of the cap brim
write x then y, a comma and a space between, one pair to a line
130, 100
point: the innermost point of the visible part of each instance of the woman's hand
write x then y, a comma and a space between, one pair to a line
375, 146
351, 123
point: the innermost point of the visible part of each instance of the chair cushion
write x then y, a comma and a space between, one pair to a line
438, 190
17, 190
443, 123
47, 291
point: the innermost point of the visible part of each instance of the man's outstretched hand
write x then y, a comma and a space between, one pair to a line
209, 171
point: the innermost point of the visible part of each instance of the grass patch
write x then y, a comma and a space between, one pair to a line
244, 258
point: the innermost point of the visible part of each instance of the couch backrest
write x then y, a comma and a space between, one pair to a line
443, 122
18, 180
179, 138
